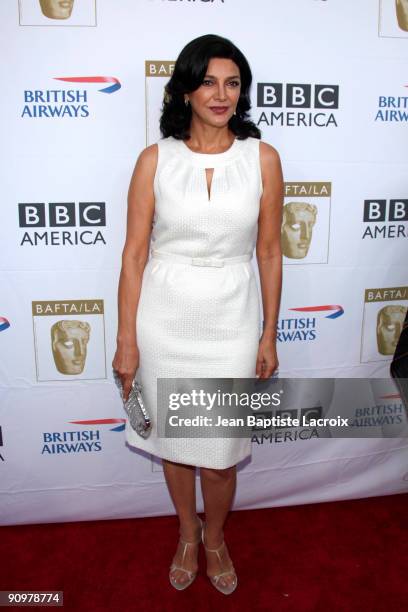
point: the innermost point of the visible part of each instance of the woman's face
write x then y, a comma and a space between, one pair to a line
216, 99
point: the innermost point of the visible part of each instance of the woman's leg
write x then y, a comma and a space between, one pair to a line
180, 479
218, 489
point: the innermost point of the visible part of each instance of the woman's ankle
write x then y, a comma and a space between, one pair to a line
213, 538
190, 526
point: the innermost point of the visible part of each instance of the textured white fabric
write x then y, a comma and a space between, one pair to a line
200, 321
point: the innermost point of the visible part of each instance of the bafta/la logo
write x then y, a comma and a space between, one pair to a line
383, 319
69, 339
306, 222
57, 103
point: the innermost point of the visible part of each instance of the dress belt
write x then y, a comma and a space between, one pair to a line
201, 261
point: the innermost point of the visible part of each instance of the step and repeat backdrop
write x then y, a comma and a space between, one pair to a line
82, 86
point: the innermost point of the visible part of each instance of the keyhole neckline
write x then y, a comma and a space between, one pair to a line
210, 188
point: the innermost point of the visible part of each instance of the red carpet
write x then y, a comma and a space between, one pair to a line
339, 556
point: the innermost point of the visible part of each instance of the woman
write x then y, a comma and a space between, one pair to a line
209, 190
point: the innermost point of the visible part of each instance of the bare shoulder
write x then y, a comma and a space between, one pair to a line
271, 167
148, 157
145, 166
268, 153
144, 170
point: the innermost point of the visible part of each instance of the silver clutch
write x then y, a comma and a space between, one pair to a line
138, 416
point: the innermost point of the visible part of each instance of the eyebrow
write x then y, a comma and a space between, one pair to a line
234, 76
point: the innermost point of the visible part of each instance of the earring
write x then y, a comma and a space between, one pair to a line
186, 101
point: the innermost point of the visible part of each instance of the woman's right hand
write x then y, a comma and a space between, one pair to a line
126, 362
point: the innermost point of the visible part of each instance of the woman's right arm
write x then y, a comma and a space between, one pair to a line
135, 254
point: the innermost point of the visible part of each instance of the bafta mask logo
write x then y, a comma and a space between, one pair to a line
390, 320
57, 9
69, 340
297, 226
401, 6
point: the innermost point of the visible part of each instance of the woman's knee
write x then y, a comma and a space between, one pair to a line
218, 475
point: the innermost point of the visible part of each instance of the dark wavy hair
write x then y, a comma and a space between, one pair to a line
189, 71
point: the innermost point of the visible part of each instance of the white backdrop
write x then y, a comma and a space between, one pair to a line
71, 141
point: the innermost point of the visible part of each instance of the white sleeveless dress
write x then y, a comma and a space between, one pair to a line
195, 317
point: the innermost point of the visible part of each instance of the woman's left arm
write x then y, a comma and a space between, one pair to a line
269, 256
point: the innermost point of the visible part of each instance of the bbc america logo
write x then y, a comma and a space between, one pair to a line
385, 219
64, 218
302, 104
298, 96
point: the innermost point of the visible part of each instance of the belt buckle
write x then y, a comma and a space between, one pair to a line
203, 261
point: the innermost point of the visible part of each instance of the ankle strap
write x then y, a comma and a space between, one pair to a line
214, 549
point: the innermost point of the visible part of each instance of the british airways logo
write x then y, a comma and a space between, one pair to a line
392, 108
64, 102
79, 441
305, 328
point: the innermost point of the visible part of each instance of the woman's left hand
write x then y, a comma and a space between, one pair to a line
267, 359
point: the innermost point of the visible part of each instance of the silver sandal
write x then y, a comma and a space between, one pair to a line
180, 586
227, 590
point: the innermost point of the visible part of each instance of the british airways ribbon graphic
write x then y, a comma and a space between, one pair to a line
338, 310
110, 421
94, 79
4, 323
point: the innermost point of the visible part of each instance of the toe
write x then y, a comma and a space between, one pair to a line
228, 581
179, 577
